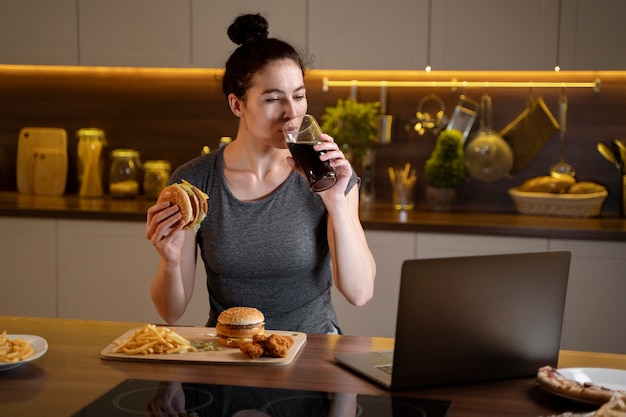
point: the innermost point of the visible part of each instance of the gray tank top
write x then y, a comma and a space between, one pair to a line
271, 254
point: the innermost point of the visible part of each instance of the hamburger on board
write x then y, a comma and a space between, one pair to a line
238, 325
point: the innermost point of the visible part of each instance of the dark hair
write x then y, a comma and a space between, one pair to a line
255, 50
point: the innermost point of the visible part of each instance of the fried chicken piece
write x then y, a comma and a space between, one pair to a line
262, 345
252, 350
277, 346
260, 339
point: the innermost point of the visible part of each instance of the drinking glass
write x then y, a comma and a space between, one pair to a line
403, 183
301, 133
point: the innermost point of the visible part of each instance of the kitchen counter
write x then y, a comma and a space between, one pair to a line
373, 217
71, 374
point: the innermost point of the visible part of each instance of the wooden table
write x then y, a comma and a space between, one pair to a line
71, 374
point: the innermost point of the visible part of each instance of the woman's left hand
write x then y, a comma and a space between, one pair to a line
339, 163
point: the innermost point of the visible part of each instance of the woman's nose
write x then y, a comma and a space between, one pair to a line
291, 109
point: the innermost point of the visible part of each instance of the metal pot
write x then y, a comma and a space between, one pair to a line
488, 158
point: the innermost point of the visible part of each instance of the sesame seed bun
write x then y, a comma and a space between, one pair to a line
238, 325
191, 201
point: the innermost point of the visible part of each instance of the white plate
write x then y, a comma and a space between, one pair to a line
612, 379
38, 343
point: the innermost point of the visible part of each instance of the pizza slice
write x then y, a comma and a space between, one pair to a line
550, 379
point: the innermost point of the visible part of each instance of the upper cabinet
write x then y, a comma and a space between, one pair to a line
38, 32
494, 34
592, 35
368, 34
148, 33
351, 34
211, 46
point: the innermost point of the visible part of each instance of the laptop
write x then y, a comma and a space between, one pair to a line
470, 319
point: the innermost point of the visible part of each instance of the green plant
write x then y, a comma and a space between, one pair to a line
446, 166
353, 125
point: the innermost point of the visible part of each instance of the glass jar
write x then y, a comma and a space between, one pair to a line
124, 174
155, 178
91, 142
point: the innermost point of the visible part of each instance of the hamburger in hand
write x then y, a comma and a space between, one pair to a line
238, 325
191, 201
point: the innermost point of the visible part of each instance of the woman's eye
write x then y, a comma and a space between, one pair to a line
271, 99
300, 97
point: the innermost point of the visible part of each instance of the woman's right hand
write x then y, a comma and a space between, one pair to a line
164, 229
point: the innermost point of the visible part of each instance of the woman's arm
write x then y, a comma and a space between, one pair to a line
172, 286
354, 268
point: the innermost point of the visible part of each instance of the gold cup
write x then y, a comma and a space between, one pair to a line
403, 182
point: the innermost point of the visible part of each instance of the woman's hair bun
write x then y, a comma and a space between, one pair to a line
248, 28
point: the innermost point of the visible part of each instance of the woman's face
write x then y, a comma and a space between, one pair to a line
277, 94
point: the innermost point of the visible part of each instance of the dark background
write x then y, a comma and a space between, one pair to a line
172, 114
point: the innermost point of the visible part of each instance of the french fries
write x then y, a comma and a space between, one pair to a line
14, 350
153, 339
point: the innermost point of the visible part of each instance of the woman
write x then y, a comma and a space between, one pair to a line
268, 241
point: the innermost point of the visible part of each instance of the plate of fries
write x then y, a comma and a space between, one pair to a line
17, 349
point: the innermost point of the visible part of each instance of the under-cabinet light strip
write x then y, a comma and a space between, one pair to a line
461, 84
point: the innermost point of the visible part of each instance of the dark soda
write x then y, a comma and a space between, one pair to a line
320, 174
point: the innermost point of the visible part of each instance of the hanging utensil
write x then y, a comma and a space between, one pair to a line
619, 149
488, 157
384, 120
608, 154
463, 116
427, 122
529, 132
562, 167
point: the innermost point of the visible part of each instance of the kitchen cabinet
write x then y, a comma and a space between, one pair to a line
144, 33
368, 34
439, 245
86, 269
592, 33
391, 249
105, 270
595, 308
494, 34
38, 32
353, 34
211, 46
378, 317
91, 270
29, 264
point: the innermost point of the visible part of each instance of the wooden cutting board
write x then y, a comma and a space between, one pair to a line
36, 139
226, 355
49, 172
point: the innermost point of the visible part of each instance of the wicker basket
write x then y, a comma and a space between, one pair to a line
566, 205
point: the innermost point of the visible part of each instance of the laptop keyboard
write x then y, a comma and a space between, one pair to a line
385, 368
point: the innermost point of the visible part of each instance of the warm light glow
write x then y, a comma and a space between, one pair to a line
465, 84
428, 68
80, 70
557, 68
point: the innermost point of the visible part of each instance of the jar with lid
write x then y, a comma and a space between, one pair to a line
155, 178
91, 142
124, 174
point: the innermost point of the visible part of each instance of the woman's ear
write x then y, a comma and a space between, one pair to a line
235, 104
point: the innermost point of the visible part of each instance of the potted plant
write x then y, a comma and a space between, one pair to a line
445, 170
353, 125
